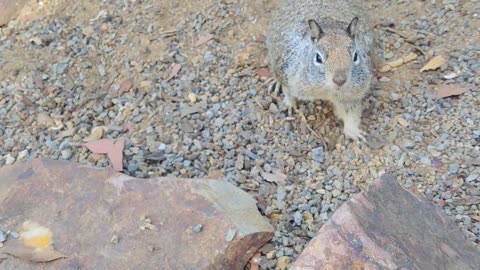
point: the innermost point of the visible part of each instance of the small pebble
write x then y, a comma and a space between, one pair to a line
273, 108
3, 237
471, 178
67, 153
297, 218
453, 168
198, 228
114, 239
230, 235
384, 79
318, 154
9, 160
14, 235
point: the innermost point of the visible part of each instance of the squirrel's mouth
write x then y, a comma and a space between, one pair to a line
334, 87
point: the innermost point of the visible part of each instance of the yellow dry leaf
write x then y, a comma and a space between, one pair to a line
434, 63
192, 97
275, 216
398, 62
58, 125
308, 217
402, 122
215, 174
127, 111
283, 262
36, 236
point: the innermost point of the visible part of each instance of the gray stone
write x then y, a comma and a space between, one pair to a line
453, 168
471, 178
318, 154
67, 153
197, 228
297, 218
3, 237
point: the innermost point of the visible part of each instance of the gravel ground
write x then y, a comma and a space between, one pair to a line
107, 66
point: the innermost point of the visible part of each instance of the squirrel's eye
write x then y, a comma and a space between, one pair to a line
319, 59
355, 57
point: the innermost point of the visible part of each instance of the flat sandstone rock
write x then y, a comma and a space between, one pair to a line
387, 227
100, 219
9, 9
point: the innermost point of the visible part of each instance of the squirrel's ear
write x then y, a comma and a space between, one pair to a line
352, 28
316, 31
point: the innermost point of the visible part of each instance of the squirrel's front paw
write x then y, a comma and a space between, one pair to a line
273, 86
355, 134
290, 105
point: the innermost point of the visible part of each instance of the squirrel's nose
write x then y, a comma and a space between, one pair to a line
339, 78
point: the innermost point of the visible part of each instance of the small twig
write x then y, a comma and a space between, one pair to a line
23, 89
311, 130
174, 99
391, 30
166, 97
168, 33
426, 55
408, 40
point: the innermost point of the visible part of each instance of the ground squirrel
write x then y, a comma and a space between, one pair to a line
321, 49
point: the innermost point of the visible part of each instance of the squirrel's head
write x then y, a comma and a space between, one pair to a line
335, 61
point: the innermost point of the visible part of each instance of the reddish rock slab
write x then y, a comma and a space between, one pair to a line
9, 9
86, 207
387, 227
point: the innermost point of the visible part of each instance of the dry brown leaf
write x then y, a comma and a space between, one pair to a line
215, 174
101, 146
116, 156
35, 244
176, 68
125, 86
402, 122
447, 90
434, 63
262, 39
146, 84
263, 72
254, 261
276, 177
203, 40
113, 149
441, 202
398, 62
17, 249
